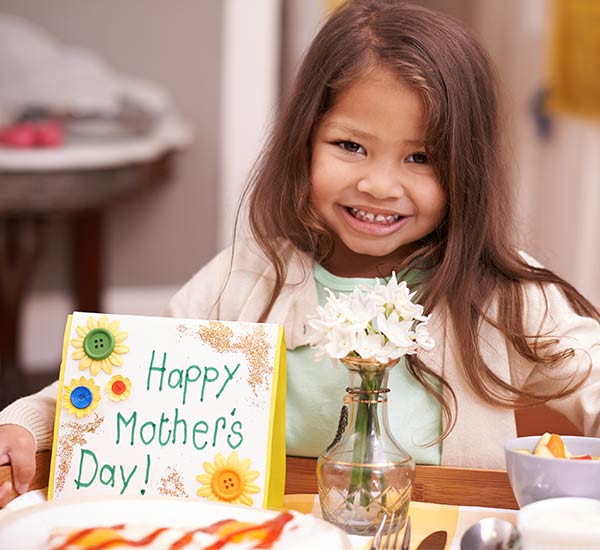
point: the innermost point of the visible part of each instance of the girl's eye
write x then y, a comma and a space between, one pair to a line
418, 158
350, 146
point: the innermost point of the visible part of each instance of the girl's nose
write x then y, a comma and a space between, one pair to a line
382, 182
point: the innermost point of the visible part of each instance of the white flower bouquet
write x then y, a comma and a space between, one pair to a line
379, 323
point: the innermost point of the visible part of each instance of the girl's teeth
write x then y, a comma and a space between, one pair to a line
373, 218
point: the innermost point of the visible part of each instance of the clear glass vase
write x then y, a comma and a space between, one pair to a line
364, 473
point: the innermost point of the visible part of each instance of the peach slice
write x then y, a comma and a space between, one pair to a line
551, 446
541, 449
556, 446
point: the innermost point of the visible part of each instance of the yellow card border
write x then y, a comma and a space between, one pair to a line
61, 380
275, 464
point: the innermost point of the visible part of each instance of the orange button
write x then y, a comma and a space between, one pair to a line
118, 387
227, 484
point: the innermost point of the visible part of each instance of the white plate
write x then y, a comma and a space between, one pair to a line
29, 528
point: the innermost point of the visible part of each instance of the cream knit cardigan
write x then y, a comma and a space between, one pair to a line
481, 429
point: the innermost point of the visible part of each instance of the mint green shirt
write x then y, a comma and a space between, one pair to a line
315, 391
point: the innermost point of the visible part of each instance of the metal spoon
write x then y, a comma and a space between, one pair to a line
491, 534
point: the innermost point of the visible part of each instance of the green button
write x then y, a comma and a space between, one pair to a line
99, 343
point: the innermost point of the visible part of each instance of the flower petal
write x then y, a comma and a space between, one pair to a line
220, 461
245, 499
115, 359
233, 460
251, 488
204, 492
244, 465
251, 476
209, 468
106, 366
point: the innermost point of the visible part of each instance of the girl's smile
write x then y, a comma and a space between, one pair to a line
373, 220
371, 180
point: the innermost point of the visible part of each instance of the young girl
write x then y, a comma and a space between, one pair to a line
387, 157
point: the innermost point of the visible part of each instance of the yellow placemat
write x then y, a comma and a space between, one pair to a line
305, 504
425, 519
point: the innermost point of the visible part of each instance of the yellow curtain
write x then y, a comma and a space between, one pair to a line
332, 4
575, 58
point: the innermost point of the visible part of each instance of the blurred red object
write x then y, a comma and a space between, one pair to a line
50, 134
26, 135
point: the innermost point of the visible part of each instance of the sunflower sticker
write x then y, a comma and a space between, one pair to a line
118, 388
99, 345
81, 397
228, 480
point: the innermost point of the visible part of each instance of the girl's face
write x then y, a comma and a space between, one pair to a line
371, 180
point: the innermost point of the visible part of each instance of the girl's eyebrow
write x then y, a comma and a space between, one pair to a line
361, 134
350, 130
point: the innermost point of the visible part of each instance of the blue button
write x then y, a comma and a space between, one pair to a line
81, 397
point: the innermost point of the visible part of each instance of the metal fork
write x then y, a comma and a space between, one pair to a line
393, 531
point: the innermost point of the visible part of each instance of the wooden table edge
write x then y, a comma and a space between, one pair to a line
435, 484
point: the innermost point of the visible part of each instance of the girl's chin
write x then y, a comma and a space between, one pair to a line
355, 260
382, 247
374, 254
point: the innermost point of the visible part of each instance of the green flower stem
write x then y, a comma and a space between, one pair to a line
367, 428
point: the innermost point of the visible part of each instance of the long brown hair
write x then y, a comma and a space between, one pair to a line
471, 259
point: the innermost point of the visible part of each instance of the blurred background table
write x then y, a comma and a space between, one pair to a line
77, 182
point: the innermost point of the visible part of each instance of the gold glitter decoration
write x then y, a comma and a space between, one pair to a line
171, 484
73, 433
254, 346
217, 336
182, 330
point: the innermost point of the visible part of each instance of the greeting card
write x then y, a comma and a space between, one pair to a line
173, 407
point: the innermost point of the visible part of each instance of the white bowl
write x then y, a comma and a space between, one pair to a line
559, 523
534, 478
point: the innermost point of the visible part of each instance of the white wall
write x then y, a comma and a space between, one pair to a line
250, 91
557, 178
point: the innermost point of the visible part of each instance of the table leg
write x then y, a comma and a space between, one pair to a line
19, 248
86, 229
